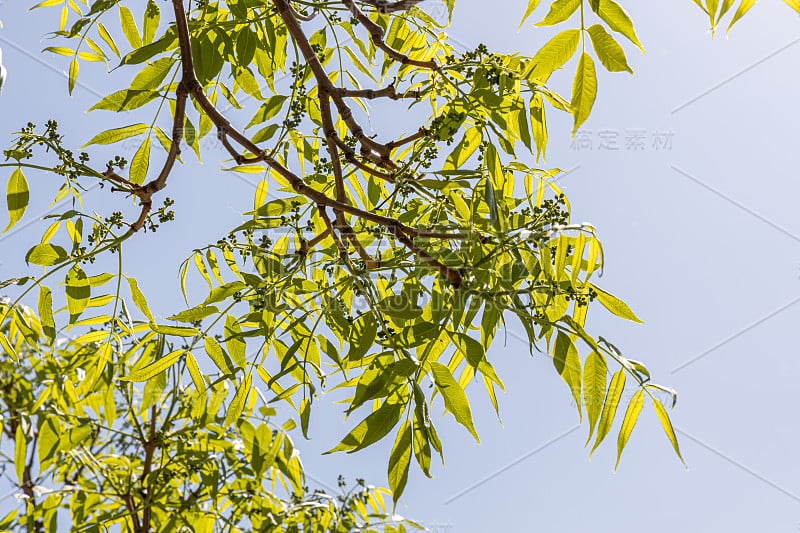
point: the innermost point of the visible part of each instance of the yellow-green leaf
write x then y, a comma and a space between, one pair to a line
609, 407
608, 51
560, 10
78, 292
568, 365
631, 416
594, 387
616, 18
129, 27
663, 417
139, 299
584, 90
553, 55
8, 348
615, 305
17, 196
156, 367
455, 401
528, 12
239, 400
399, 461
141, 162
46, 313
118, 134
73, 73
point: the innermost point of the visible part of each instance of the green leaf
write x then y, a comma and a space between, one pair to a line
17, 196
268, 109
609, 407
73, 73
146, 52
617, 19
151, 76
663, 417
239, 400
73, 437
194, 372
615, 305
218, 355
78, 292
174, 330
48, 438
276, 208
195, 314
464, 149
246, 44
219, 294
553, 55
372, 429
584, 90
532, 4
246, 80
118, 134
129, 27
20, 453
107, 38
139, 299
233, 341
362, 336
305, 415
560, 10
399, 306
154, 368
455, 401
46, 313
568, 365
150, 23
140, 163
744, 7
631, 415
594, 387
399, 461
794, 4
538, 124
609, 52
8, 348
125, 100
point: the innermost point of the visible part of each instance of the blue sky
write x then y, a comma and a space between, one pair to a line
697, 212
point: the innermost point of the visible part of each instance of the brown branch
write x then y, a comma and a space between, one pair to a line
308, 245
383, 6
331, 232
350, 234
304, 18
421, 134
188, 80
376, 34
333, 150
372, 94
351, 158
453, 275
325, 85
27, 484
190, 84
131, 506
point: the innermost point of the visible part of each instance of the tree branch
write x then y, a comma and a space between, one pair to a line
376, 33
383, 6
225, 130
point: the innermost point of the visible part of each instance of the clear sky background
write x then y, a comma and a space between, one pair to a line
697, 210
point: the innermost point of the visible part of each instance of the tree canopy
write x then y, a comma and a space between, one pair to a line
384, 265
